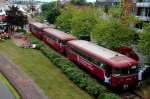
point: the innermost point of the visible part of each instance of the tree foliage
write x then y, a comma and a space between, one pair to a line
78, 2
65, 19
112, 34
48, 6
83, 21
52, 15
50, 12
144, 42
115, 11
16, 17
115, 30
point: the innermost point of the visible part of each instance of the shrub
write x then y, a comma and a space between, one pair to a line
21, 31
79, 77
52, 15
107, 96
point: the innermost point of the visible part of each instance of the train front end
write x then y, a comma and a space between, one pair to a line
125, 76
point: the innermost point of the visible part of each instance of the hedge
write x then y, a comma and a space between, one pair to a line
21, 31
78, 76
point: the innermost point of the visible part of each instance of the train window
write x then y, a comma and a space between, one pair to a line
125, 71
99, 64
62, 43
35, 29
87, 57
102, 65
130, 70
52, 37
116, 72
78, 51
133, 69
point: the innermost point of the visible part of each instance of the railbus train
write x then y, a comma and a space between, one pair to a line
113, 68
36, 29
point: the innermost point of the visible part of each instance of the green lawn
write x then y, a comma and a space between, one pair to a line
9, 86
48, 77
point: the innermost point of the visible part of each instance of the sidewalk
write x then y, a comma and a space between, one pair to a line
23, 84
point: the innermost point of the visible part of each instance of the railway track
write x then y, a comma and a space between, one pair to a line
131, 95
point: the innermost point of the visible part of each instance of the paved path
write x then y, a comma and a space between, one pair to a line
23, 84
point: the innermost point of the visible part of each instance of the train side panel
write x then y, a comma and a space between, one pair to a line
99, 73
52, 43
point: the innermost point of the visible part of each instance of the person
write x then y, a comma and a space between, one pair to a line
107, 79
140, 75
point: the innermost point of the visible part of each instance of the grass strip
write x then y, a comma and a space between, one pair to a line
10, 87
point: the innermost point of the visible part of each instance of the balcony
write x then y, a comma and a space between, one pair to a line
144, 18
143, 4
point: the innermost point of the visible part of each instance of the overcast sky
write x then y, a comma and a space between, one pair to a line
55, 0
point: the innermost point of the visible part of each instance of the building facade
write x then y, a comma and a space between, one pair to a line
141, 9
106, 3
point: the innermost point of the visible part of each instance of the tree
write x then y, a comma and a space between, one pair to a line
15, 17
65, 19
83, 21
52, 15
48, 6
78, 2
144, 42
112, 34
122, 12
48, 10
115, 11
114, 31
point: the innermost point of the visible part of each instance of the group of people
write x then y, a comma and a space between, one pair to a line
4, 35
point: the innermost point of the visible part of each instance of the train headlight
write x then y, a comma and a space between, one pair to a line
125, 87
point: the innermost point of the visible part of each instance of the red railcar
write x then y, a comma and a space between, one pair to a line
118, 70
3, 18
128, 52
37, 29
57, 39
113, 68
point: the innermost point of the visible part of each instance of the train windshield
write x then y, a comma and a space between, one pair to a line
125, 71
1, 26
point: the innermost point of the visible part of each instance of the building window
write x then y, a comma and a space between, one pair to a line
145, 0
133, 11
148, 12
143, 12
133, 1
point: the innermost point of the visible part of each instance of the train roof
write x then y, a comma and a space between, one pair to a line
107, 56
39, 25
59, 34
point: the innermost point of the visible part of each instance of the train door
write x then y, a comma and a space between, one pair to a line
108, 73
62, 47
56, 43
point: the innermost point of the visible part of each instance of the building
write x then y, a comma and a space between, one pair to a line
143, 12
141, 9
106, 3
